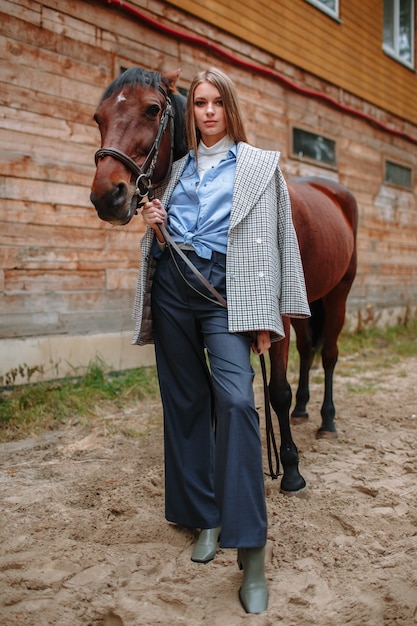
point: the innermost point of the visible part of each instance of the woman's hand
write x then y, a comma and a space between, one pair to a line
154, 213
262, 342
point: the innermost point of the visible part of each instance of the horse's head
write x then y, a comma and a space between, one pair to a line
132, 110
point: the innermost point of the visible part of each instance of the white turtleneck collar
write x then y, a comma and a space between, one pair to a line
210, 156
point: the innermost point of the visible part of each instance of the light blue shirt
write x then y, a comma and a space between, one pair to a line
199, 210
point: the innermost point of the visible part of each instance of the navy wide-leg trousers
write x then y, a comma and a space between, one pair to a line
213, 456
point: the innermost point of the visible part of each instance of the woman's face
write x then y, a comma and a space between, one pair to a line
209, 113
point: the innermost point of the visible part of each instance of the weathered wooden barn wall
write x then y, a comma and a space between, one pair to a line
67, 279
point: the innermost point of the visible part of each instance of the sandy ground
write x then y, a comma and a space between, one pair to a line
84, 540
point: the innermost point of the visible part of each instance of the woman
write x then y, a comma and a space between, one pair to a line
227, 207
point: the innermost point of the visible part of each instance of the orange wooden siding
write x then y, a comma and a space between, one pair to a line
347, 54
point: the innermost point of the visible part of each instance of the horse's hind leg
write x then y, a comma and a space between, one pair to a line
335, 306
281, 397
304, 338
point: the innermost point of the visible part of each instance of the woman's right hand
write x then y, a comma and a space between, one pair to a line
154, 213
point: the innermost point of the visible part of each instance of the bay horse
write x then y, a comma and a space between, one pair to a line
141, 121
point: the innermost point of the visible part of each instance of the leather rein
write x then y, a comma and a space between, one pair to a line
143, 189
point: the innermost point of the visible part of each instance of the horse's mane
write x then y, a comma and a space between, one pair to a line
180, 137
146, 78
133, 76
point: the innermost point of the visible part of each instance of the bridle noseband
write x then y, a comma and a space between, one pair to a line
144, 173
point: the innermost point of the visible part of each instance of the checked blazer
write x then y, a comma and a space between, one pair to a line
264, 274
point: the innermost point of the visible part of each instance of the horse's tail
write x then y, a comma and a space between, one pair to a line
317, 321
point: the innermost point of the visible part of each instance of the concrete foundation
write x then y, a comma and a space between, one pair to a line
34, 359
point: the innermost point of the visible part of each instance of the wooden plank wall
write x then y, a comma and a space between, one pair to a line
62, 271
59, 262
347, 53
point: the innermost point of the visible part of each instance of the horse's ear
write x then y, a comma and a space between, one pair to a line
170, 79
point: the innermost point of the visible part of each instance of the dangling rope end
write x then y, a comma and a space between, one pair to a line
270, 435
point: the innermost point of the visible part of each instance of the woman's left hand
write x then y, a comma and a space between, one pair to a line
262, 342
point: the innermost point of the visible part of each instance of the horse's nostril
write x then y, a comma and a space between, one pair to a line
120, 193
121, 188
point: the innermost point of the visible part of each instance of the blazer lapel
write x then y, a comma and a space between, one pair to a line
176, 171
254, 170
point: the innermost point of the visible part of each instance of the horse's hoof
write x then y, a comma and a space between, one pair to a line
326, 434
299, 416
292, 481
299, 419
292, 487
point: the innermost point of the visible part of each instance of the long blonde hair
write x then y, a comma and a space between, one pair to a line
232, 112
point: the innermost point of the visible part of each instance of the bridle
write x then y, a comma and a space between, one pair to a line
143, 188
144, 172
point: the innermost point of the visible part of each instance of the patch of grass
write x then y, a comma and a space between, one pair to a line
30, 409
376, 348
399, 340
362, 389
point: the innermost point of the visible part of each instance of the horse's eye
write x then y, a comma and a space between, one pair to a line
153, 110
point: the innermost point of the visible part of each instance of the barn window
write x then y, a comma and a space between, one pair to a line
312, 146
399, 30
396, 174
331, 7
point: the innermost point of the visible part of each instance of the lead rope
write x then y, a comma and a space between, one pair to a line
269, 428
171, 245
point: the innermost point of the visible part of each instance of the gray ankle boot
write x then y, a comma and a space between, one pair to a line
253, 593
206, 547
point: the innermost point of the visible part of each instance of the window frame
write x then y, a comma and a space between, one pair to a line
394, 53
319, 4
399, 164
309, 159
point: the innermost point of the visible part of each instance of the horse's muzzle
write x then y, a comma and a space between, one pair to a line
115, 206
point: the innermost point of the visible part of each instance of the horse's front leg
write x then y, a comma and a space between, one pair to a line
281, 398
